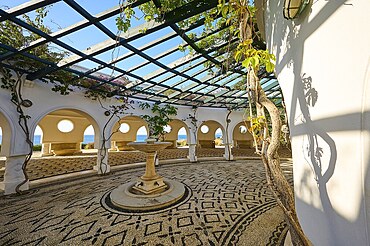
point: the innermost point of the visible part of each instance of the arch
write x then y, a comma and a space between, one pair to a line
219, 137
207, 139
142, 129
121, 139
89, 136
242, 140
64, 143
78, 110
7, 135
172, 136
38, 129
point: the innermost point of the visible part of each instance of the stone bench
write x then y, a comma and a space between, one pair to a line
173, 144
60, 149
244, 144
207, 144
122, 145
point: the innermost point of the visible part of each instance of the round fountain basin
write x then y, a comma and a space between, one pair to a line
149, 147
125, 197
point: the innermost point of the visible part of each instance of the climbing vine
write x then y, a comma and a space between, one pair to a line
159, 120
250, 53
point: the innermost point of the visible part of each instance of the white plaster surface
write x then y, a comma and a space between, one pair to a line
325, 54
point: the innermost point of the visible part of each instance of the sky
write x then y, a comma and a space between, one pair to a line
89, 36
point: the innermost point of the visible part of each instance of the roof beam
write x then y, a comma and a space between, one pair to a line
26, 7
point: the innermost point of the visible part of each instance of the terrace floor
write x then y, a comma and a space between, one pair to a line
228, 203
44, 167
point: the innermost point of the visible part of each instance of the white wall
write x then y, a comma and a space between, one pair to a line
326, 52
45, 101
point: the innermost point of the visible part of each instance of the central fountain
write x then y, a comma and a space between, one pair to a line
150, 191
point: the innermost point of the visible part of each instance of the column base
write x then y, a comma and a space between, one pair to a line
192, 159
228, 158
150, 186
102, 170
9, 187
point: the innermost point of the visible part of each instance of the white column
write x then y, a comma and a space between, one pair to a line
192, 146
102, 165
13, 175
46, 149
228, 144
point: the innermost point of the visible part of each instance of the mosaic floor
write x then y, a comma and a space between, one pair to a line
51, 166
229, 204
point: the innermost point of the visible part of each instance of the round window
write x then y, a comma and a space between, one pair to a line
124, 128
243, 129
65, 126
167, 129
204, 129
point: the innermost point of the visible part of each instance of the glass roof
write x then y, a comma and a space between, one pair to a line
146, 62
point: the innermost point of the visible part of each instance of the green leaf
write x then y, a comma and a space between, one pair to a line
246, 62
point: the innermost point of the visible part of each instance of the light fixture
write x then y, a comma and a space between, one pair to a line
26, 103
293, 8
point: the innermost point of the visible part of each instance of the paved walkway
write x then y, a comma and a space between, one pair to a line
229, 204
44, 167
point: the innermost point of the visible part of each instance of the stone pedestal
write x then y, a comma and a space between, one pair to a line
150, 182
150, 191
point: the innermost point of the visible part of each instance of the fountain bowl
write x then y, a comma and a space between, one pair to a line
149, 147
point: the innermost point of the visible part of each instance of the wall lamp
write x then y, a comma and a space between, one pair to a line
26, 103
293, 8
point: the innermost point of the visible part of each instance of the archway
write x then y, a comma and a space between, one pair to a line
6, 134
182, 137
128, 129
219, 138
88, 140
209, 133
63, 131
37, 142
141, 134
172, 133
242, 138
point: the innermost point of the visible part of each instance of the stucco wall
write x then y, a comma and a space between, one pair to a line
237, 135
210, 135
322, 67
134, 123
51, 133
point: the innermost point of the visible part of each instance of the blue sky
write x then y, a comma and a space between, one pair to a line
61, 16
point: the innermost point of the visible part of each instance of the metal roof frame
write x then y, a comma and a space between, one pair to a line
212, 90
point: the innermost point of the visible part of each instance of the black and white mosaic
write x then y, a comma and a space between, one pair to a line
229, 204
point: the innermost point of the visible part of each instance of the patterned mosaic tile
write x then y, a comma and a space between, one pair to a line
51, 166
230, 204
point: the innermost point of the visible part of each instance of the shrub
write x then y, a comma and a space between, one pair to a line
218, 141
182, 143
89, 146
37, 147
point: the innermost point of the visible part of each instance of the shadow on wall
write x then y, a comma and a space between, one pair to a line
315, 139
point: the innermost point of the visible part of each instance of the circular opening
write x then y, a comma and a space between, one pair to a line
124, 128
204, 129
167, 129
243, 129
65, 126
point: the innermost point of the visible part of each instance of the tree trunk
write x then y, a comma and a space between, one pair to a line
279, 185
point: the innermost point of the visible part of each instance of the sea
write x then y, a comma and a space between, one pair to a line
90, 138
